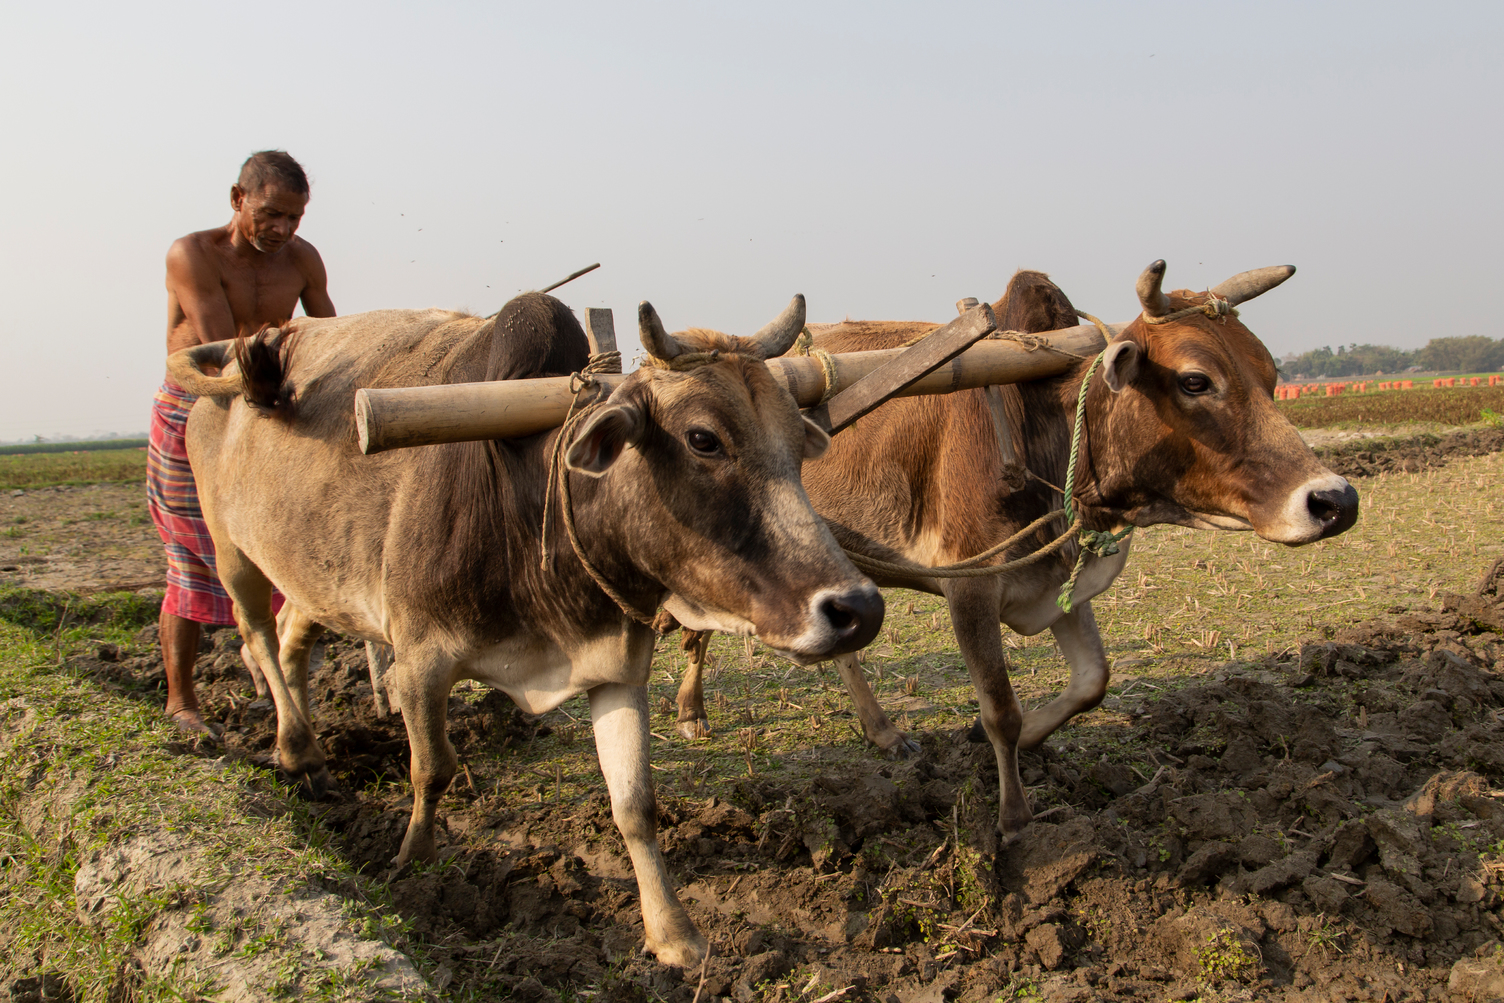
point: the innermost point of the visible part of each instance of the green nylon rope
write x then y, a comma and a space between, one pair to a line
1099, 542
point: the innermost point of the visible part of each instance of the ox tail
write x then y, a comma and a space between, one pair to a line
260, 373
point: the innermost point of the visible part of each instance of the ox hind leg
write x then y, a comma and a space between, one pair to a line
1081, 644
296, 636
297, 751
876, 725
973, 612
693, 721
620, 715
422, 687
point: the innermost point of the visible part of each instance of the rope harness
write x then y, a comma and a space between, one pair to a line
1099, 542
585, 379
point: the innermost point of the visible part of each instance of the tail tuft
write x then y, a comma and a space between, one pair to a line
263, 360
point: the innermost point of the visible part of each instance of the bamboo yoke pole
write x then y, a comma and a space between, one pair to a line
419, 416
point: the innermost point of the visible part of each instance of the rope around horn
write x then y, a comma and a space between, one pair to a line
1215, 308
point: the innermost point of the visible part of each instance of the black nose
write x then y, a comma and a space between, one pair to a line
1337, 511
856, 616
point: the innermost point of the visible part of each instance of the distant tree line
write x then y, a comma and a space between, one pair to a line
1474, 353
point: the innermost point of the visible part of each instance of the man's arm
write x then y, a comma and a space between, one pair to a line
194, 280
316, 301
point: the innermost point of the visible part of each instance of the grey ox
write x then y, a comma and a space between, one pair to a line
684, 482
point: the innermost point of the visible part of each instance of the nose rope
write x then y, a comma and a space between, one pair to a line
599, 364
1101, 543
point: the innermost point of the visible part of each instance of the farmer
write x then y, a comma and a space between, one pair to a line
221, 283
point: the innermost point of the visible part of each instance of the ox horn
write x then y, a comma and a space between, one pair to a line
778, 337
1244, 286
658, 342
1150, 296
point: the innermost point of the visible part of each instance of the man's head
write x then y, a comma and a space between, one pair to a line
269, 199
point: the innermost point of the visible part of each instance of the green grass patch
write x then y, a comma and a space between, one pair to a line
1440, 406
82, 769
90, 445
48, 469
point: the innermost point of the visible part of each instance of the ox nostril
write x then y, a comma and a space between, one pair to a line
840, 616
1335, 510
854, 616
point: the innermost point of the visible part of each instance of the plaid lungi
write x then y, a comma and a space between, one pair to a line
193, 588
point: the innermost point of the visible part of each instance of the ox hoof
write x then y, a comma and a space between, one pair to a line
899, 746
977, 732
315, 783
694, 729
688, 952
1009, 829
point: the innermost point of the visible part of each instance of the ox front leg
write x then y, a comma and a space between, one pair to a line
1081, 643
693, 721
423, 693
973, 613
876, 725
620, 714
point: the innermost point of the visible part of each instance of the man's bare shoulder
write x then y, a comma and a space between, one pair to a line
196, 254
304, 253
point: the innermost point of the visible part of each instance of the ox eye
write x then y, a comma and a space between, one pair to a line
1195, 383
703, 442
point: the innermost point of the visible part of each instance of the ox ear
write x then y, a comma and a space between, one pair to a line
600, 441
816, 440
1120, 363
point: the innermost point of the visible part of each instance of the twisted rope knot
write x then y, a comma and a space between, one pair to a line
1101, 542
1215, 307
805, 345
602, 363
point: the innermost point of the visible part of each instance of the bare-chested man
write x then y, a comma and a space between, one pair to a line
221, 283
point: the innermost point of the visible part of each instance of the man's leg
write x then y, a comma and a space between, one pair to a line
180, 640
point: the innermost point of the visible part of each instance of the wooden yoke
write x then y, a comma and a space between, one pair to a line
893, 377
392, 418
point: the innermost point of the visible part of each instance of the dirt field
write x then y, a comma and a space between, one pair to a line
1294, 790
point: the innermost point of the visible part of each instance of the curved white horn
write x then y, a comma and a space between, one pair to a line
1150, 296
658, 342
778, 337
1244, 286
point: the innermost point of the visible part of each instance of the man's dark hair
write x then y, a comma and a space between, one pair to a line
272, 167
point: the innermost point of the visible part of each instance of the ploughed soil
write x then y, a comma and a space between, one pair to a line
1356, 454
1326, 824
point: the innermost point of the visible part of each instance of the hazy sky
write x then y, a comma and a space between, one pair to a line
883, 159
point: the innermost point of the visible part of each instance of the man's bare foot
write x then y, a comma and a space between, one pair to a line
192, 722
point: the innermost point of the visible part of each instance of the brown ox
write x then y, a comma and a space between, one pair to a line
437, 550
1180, 428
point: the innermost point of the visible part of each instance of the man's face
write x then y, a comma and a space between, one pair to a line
268, 218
